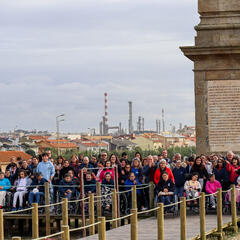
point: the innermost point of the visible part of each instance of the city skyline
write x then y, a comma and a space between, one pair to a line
61, 56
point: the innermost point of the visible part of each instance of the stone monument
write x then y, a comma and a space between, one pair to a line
216, 57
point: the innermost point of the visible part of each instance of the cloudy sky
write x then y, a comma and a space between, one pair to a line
60, 56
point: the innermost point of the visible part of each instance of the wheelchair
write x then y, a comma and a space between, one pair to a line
73, 208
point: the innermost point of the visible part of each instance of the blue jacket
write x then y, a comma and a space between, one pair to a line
36, 183
64, 186
47, 169
128, 182
179, 176
5, 183
90, 186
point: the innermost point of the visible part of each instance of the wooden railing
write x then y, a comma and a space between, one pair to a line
101, 222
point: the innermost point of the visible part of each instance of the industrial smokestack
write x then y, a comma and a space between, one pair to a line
106, 114
143, 124
130, 121
163, 120
157, 126
139, 124
101, 128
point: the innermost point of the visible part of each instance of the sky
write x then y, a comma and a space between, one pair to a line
60, 56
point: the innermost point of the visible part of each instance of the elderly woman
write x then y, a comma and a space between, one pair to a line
163, 168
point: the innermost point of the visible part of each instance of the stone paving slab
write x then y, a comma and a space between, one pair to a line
147, 228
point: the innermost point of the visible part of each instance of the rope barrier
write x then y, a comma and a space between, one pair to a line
149, 210
120, 218
84, 227
78, 200
120, 192
17, 211
48, 236
50, 205
172, 204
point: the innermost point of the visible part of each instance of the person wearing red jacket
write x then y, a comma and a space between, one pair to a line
162, 168
233, 169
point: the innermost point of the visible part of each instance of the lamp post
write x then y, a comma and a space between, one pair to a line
57, 125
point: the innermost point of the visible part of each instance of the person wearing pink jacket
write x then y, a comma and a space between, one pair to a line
211, 188
106, 169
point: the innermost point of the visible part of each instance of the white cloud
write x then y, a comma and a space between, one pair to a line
61, 56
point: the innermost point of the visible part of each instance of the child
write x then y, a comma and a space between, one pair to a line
192, 188
66, 188
106, 189
37, 188
165, 189
4, 186
211, 187
21, 189
107, 181
89, 184
106, 169
132, 180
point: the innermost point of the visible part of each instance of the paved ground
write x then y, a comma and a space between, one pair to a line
147, 228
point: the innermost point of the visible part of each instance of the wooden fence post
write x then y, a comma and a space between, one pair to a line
160, 221
151, 195
1, 225
82, 195
35, 232
99, 202
219, 213
102, 229
47, 209
114, 208
234, 209
66, 234
64, 211
91, 213
134, 197
134, 224
202, 217
183, 218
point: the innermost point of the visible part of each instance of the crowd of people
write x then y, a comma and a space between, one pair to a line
173, 178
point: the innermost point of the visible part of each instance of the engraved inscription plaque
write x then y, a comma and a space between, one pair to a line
224, 115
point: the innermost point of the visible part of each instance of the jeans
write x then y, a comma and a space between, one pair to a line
37, 197
165, 200
213, 201
179, 191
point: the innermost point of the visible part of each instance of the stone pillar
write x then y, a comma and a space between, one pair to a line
216, 57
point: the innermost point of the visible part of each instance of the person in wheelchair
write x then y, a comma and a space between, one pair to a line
89, 184
165, 190
21, 189
4, 186
36, 188
192, 189
107, 186
132, 180
66, 187
211, 188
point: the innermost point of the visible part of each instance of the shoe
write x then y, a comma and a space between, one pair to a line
20, 208
213, 207
144, 209
14, 209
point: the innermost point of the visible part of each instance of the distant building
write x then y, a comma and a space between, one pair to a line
92, 146
6, 155
121, 144
63, 145
143, 142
